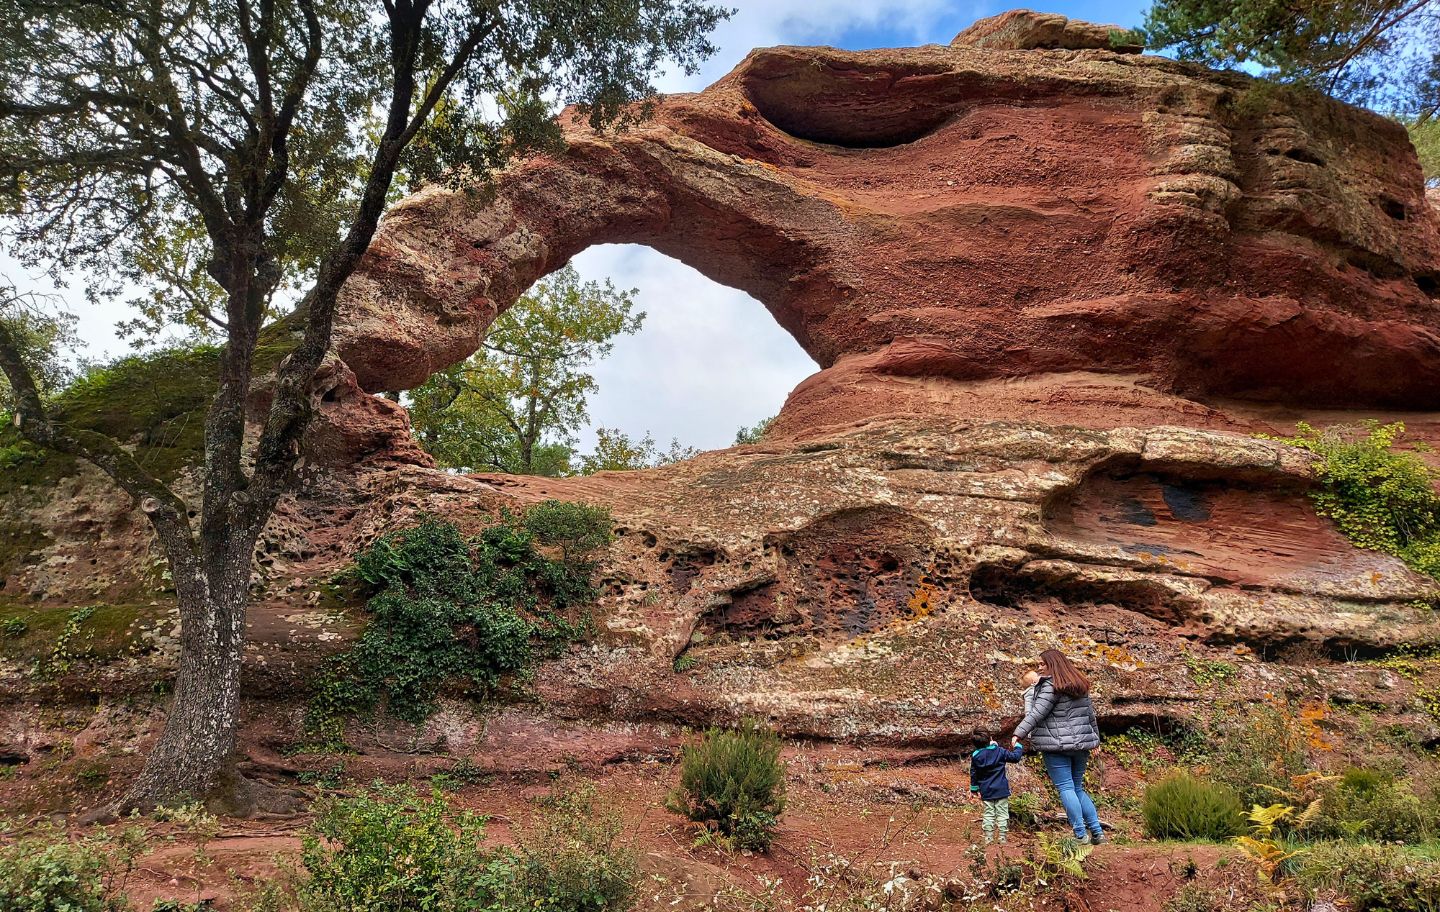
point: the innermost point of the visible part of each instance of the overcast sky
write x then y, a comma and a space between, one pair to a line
710, 358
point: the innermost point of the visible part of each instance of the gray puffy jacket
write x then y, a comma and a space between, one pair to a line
1058, 723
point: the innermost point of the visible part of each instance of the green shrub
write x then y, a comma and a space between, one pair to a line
48, 872
1380, 498
733, 782
1374, 878
573, 862
446, 608
1181, 806
1372, 804
388, 848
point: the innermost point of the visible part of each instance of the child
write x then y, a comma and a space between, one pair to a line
1029, 679
989, 783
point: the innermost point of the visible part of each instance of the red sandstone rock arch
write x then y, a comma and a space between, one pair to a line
928, 218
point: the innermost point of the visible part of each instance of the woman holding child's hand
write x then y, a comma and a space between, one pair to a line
1060, 723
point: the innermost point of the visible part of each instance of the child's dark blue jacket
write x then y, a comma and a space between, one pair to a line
987, 771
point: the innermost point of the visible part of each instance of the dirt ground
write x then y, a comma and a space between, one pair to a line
854, 820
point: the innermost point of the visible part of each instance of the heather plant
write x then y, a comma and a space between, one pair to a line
733, 782
1182, 806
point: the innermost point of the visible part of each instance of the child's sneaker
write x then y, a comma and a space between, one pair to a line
1087, 839
1097, 837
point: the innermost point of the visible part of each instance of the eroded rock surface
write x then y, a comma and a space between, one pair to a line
1054, 289
926, 220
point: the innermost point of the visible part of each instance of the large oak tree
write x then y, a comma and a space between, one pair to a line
223, 151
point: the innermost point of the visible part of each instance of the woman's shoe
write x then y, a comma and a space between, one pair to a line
1085, 840
1095, 838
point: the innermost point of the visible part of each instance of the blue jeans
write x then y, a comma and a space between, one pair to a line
1067, 771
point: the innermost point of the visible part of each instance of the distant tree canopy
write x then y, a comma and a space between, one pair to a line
516, 404
618, 451
1382, 54
43, 338
754, 433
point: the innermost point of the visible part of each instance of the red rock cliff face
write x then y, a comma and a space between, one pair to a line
1021, 266
1000, 208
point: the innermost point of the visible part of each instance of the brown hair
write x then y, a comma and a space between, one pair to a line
1065, 676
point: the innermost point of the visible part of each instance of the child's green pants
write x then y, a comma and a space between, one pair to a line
995, 819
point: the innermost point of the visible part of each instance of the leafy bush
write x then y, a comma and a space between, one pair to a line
573, 862
48, 872
1372, 804
387, 848
1374, 878
733, 782
1181, 806
1381, 498
446, 608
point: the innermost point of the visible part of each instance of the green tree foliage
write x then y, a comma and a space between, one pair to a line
733, 782
616, 451
1425, 135
1381, 497
1181, 806
218, 152
515, 405
446, 608
1383, 54
42, 336
755, 433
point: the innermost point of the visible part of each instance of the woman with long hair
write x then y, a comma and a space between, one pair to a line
1061, 725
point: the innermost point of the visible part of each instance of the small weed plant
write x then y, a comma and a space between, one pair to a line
1182, 806
573, 860
448, 609
733, 782
1380, 497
